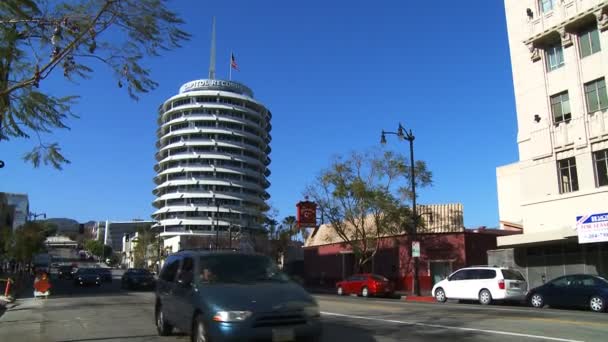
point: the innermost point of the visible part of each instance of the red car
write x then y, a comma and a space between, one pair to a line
365, 285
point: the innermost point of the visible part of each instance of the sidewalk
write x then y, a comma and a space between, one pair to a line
22, 283
397, 295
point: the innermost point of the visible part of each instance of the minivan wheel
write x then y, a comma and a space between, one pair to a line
340, 291
199, 332
163, 328
537, 300
440, 295
364, 292
485, 297
597, 304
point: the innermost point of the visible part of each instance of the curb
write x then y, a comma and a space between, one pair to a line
419, 299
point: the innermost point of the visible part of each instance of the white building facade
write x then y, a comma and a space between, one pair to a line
559, 56
212, 160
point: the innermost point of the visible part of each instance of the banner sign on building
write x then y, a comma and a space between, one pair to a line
306, 214
592, 228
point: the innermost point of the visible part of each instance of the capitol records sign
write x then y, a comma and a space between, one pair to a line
306, 214
592, 228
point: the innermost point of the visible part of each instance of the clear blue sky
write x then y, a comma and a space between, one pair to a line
334, 74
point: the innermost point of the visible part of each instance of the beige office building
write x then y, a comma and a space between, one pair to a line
559, 56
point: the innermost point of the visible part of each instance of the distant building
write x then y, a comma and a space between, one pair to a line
445, 246
557, 191
114, 231
21, 208
7, 212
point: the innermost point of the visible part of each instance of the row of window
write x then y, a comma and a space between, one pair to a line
213, 99
208, 111
596, 99
211, 137
213, 176
211, 162
208, 187
588, 44
206, 124
568, 177
203, 215
204, 149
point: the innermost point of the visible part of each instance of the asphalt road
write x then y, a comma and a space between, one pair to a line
108, 313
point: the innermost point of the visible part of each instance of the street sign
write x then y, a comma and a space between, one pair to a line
416, 249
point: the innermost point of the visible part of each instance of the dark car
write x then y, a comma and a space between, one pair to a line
105, 274
137, 278
236, 296
65, 272
87, 276
365, 285
578, 290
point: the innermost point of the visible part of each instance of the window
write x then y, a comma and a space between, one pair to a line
170, 269
562, 282
589, 42
546, 5
486, 274
568, 179
512, 275
461, 275
595, 95
600, 160
560, 107
555, 57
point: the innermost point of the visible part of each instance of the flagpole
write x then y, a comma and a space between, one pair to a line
230, 67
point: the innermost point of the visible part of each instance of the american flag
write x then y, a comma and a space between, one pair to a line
233, 64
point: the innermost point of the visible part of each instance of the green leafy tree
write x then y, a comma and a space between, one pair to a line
364, 197
40, 37
146, 248
94, 247
26, 241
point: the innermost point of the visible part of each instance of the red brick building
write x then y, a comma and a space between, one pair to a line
445, 246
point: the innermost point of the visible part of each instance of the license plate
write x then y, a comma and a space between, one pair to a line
514, 285
282, 335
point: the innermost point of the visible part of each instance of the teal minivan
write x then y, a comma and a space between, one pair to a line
233, 296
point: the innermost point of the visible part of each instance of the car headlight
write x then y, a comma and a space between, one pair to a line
79, 278
231, 316
312, 311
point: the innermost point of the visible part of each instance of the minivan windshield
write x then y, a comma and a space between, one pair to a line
234, 268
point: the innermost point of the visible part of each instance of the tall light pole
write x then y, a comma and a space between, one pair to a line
217, 225
404, 134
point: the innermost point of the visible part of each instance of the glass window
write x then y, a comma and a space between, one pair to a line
560, 107
562, 282
512, 275
568, 178
589, 42
378, 277
595, 95
170, 269
546, 5
457, 276
486, 274
238, 268
600, 160
554, 56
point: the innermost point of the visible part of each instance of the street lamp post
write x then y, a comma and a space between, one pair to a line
217, 225
404, 134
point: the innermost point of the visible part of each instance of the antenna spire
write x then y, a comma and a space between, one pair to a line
212, 58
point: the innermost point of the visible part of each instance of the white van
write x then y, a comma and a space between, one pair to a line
485, 284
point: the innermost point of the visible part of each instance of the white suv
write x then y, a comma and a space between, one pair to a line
482, 283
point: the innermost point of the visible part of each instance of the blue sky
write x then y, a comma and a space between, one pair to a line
334, 74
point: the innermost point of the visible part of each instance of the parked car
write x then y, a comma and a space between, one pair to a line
87, 276
105, 274
65, 272
224, 295
577, 290
485, 284
137, 278
365, 285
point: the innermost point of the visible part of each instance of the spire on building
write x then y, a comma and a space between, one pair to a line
212, 58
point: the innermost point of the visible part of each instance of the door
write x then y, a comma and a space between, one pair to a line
165, 287
184, 294
440, 270
583, 288
557, 292
455, 285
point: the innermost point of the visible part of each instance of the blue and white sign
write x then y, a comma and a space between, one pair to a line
592, 228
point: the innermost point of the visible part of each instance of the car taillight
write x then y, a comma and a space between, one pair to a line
501, 284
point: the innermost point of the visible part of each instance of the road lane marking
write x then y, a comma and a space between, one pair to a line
495, 332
